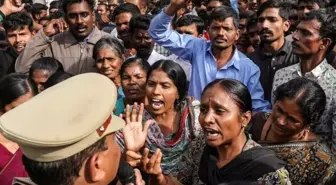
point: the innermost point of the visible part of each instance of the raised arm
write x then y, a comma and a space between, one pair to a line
180, 45
38, 45
259, 104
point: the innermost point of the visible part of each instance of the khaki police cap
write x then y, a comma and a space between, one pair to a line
64, 119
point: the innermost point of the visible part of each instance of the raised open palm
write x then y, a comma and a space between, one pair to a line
135, 133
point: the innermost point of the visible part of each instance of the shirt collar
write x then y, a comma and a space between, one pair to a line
70, 39
286, 48
155, 56
316, 72
234, 61
89, 36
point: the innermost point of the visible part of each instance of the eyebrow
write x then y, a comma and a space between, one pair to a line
75, 13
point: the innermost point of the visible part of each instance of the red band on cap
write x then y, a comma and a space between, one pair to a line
103, 128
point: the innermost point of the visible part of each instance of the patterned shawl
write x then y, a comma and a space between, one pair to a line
173, 146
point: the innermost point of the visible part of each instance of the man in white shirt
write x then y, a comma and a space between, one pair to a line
313, 39
142, 42
122, 16
190, 25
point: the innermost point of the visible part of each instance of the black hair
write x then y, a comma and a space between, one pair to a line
248, 15
64, 171
140, 22
37, 8
66, 3
236, 90
125, 8
293, 14
188, 20
327, 19
320, 3
56, 15
284, 8
307, 94
175, 72
18, 20
28, 8
332, 3
45, 18
223, 12
223, 2
56, 4
144, 65
251, 24
13, 86
104, 4
155, 11
56, 78
48, 64
108, 42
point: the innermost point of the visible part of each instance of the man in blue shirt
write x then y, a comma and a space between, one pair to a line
210, 60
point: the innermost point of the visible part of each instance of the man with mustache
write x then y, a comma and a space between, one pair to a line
253, 5
213, 59
142, 42
38, 11
55, 6
313, 39
19, 31
253, 33
102, 9
244, 45
68, 143
275, 52
306, 6
122, 16
112, 4
73, 47
242, 5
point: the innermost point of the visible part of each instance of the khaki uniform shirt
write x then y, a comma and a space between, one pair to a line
76, 57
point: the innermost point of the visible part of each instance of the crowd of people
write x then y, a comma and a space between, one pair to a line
186, 92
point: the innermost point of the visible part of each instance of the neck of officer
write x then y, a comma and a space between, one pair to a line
223, 56
308, 63
275, 46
